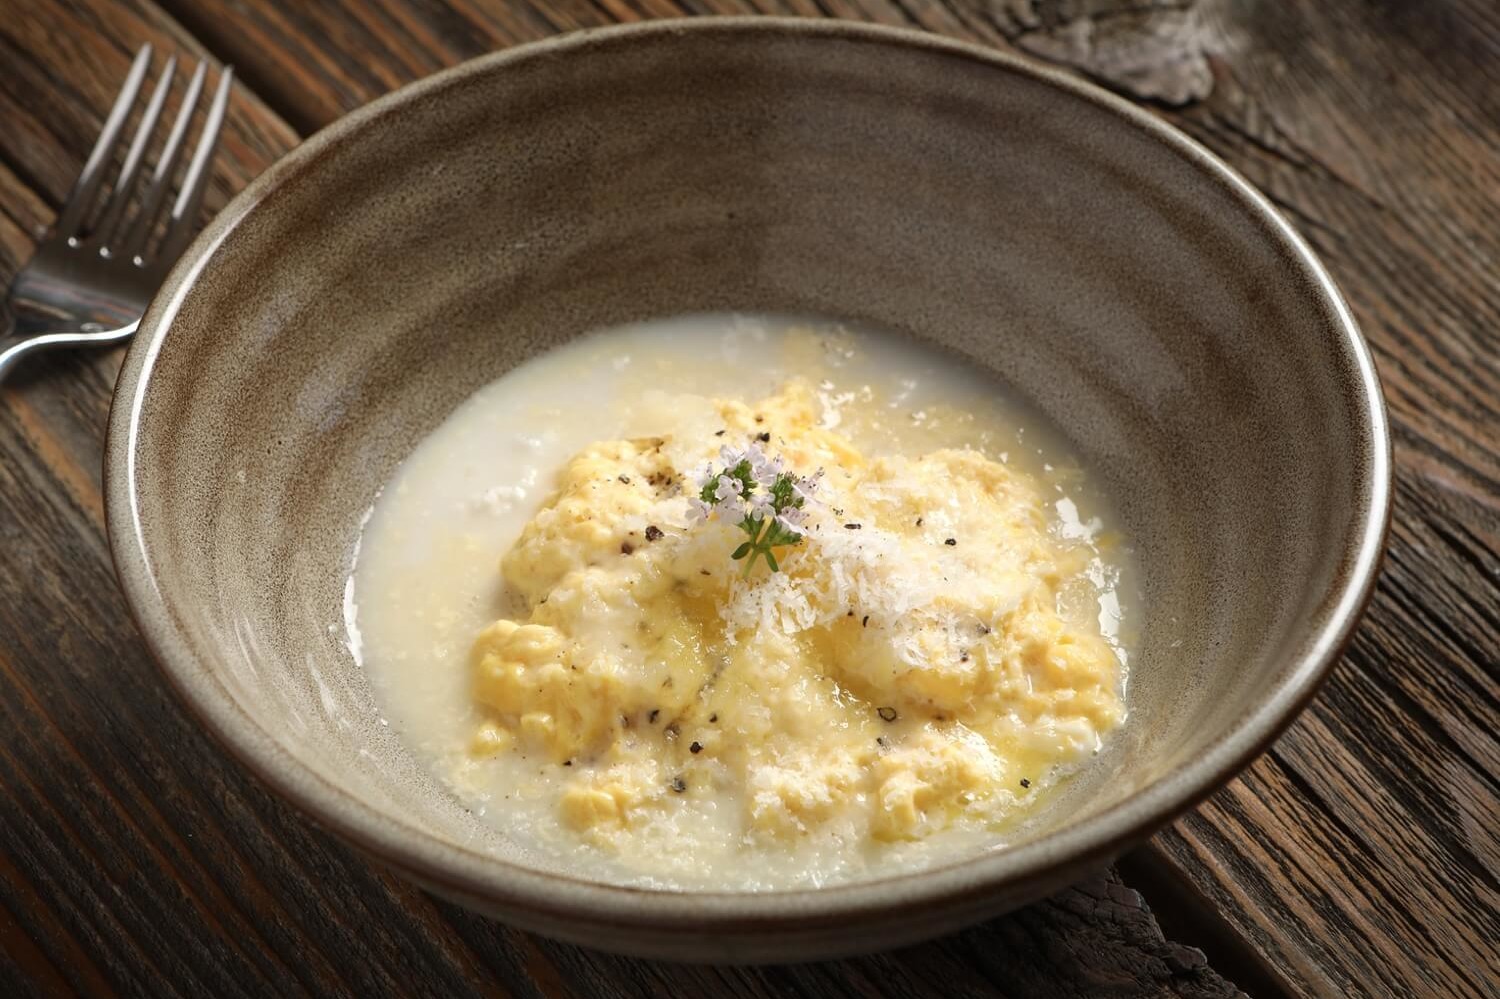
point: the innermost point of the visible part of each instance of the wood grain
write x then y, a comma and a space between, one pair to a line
1359, 857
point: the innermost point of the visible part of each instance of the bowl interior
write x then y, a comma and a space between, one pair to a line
1140, 300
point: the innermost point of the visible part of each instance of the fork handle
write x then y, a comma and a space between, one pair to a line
10, 356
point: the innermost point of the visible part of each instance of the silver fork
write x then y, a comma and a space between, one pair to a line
90, 280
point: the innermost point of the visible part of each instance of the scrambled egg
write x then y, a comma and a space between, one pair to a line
908, 668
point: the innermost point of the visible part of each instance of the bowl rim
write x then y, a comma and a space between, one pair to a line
469, 873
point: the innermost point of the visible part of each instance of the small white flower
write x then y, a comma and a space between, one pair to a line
760, 503
703, 475
730, 456
726, 487
792, 519
732, 509
698, 511
803, 488
766, 470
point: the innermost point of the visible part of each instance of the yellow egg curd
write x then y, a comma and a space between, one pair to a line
908, 667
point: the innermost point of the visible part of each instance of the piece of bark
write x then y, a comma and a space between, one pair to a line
1111, 945
1153, 49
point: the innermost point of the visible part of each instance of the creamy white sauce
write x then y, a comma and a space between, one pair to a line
426, 579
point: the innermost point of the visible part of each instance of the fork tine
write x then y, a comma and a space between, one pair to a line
134, 245
89, 178
119, 199
184, 218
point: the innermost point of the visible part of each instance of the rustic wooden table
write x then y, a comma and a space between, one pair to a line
1358, 856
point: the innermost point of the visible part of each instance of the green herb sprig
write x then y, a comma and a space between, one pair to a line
767, 502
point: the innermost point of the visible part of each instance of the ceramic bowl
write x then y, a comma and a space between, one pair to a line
1109, 271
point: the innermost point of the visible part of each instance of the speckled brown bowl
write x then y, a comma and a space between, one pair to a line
1104, 267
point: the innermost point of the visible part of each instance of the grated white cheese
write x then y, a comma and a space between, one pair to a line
835, 571
501, 499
